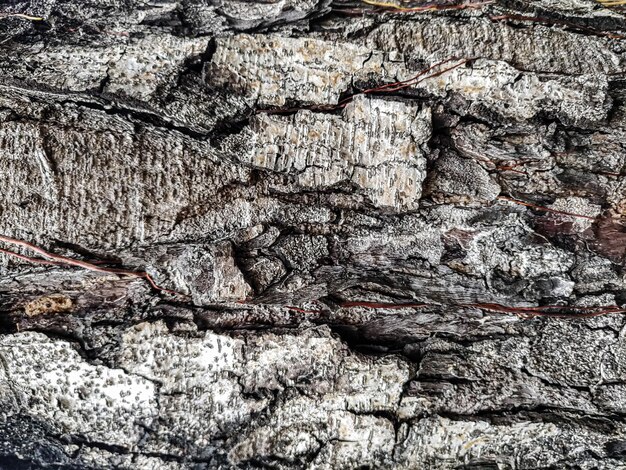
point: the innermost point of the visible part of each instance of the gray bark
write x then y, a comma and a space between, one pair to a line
407, 280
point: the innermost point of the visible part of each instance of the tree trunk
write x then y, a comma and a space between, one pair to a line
312, 234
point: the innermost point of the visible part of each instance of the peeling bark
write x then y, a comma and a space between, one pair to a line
395, 238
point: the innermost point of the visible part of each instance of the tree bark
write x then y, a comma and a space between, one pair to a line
312, 234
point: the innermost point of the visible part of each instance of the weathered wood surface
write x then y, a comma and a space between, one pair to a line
404, 278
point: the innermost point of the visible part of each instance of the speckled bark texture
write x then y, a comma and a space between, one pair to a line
397, 237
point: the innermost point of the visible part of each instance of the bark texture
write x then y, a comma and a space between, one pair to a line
397, 236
